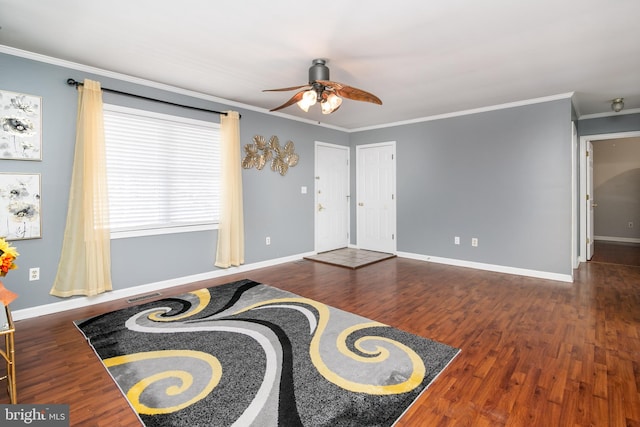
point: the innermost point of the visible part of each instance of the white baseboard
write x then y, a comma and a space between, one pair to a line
490, 267
617, 239
79, 302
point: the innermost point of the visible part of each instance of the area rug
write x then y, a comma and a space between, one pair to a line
248, 354
350, 257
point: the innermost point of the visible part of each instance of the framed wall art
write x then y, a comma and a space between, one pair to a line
20, 206
20, 126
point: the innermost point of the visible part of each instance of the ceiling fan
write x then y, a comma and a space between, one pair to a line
321, 89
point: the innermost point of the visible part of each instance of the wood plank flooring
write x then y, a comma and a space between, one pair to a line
616, 253
534, 352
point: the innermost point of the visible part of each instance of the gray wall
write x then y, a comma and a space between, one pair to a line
502, 176
273, 204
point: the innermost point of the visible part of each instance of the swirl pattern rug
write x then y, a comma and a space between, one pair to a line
248, 354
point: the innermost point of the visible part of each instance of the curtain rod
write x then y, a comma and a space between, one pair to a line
72, 82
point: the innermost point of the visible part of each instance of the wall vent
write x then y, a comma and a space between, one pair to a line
144, 297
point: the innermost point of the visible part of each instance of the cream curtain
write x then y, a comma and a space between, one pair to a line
85, 261
231, 228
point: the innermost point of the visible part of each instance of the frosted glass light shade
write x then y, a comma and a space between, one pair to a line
617, 105
331, 104
309, 98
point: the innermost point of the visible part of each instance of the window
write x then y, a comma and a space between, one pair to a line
163, 172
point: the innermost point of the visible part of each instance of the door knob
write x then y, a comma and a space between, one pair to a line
320, 207
360, 204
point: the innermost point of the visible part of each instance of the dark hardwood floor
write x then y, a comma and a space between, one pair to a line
534, 352
616, 253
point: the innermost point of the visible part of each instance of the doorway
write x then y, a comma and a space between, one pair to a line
588, 206
332, 199
376, 193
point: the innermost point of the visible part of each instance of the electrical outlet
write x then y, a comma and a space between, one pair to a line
456, 240
34, 273
267, 241
630, 225
474, 242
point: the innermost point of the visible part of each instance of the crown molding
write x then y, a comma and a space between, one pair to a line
149, 83
611, 114
162, 86
471, 111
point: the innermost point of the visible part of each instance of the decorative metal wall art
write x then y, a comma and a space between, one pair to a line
20, 126
260, 152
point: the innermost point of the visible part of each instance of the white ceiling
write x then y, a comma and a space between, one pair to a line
421, 57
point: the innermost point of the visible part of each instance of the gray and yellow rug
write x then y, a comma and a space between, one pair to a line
248, 354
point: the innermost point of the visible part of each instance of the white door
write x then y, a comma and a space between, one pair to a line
331, 197
376, 204
590, 202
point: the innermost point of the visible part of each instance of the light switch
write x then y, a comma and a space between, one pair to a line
303, 190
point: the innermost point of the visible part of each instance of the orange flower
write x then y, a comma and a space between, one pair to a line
7, 255
7, 264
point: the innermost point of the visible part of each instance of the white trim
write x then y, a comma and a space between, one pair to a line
119, 76
56, 307
468, 112
80, 302
111, 74
575, 183
613, 135
149, 83
489, 267
169, 88
125, 234
609, 114
617, 239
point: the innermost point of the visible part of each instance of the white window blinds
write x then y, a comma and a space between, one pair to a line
163, 171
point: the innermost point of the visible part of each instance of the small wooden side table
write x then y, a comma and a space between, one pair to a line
7, 329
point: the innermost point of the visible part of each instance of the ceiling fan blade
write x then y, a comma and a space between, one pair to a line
351, 92
295, 98
287, 88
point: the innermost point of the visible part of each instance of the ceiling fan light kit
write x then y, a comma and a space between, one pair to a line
309, 98
324, 91
331, 104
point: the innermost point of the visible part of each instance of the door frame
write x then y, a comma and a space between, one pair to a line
575, 190
394, 185
315, 189
582, 197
